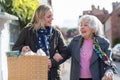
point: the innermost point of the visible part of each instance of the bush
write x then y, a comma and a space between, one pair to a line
116, 41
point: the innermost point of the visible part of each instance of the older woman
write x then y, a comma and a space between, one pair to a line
40, 34
90, 52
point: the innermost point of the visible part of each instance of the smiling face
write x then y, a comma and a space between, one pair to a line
48, 18
86, 30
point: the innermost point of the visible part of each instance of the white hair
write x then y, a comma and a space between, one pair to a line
93, 23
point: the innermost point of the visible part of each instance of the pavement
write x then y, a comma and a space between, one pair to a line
65, 74
65, 71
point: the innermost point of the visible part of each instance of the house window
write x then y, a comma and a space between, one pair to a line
14, 32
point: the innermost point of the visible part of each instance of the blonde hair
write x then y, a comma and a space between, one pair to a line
37, 21
94, 23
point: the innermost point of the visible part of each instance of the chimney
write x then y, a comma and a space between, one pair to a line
93, 7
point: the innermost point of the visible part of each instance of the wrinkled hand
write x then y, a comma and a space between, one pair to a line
57, 57
49, 63
107, 78
25, 49
108, 75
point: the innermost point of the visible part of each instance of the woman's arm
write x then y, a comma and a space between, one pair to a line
20, 43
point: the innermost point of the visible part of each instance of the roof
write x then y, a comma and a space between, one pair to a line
102, 17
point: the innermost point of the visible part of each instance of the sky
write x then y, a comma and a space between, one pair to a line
66, 12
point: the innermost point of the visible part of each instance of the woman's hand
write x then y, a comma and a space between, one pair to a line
107, 78
108, 75
49, 63
25, 49
57, 57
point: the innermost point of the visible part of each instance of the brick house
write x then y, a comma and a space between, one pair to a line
112, 27
95, 11
112, 24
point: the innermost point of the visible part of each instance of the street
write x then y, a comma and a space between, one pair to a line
66, 72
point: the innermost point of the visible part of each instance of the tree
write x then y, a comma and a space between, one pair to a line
72, 32
23, 9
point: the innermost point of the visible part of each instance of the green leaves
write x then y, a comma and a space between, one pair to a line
23, 9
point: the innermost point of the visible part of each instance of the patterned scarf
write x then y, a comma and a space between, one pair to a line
43, 36
102, 55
